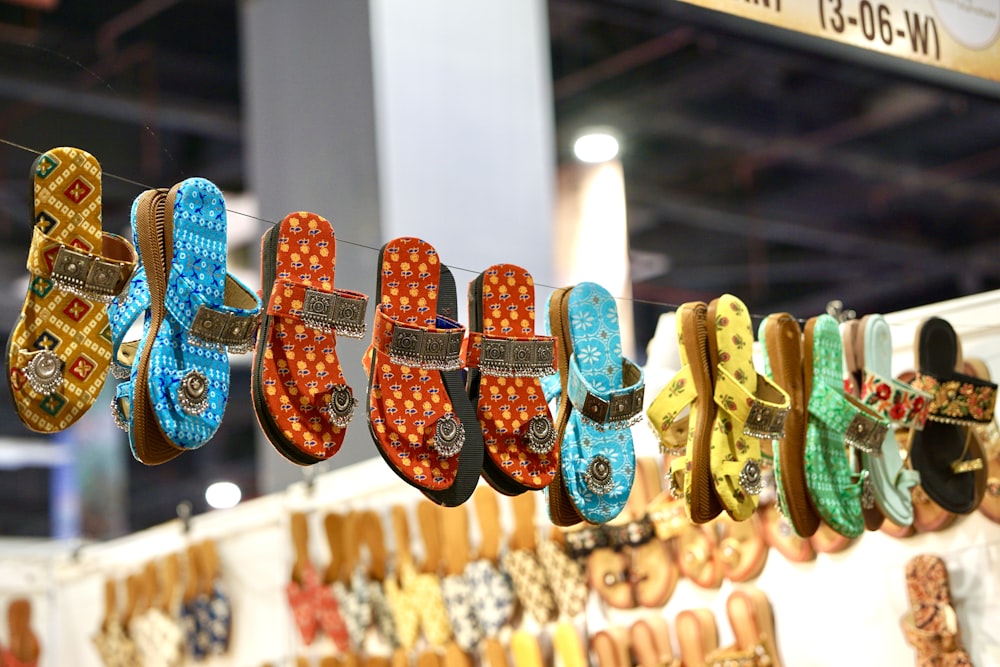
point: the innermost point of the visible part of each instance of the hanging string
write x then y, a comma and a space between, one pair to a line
668, 307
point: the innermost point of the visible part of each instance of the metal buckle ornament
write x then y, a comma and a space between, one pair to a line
223, 331
449, 436
332, 312
866, 434
44, 372
517, 358
430, 350
541, 435
339, 408
598, 476
765, 421
750, 477
192, 393
84, 275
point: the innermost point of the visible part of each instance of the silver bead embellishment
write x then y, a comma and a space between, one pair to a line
598, 477
541, 435
44, 372
192, 393
750, 479
449, 436
339, 409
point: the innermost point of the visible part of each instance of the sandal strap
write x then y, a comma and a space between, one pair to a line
863, 429
511, 356
763, 415
958, 398
757, 656
96, 276
897, 401
631, 534
431, 348
943, 639
232, 327
581, 543
615, 408
679, 393
336, 311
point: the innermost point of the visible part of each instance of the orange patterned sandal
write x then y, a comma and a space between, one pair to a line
506, 361
59, 351
302, 402
419, 415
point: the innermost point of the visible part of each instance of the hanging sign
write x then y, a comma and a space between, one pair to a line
960, 35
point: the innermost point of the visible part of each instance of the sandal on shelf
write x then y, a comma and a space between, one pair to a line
59, 350
931, 624
456, 589
835, 420
782, 350
650, 639
827, 540
312, 603
522, 564
492, 588
506, 362
419, 415
611, 648
852, 335
300, 397
742, 548
565, 576
781, 536
945, 453
750, 408
750, 617
601, 397
653, 568
697, 636
178, 382
989, 441
688, 398
902, 404
568, 648
698, 556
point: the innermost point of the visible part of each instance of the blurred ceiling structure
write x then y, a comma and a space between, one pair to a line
756, 162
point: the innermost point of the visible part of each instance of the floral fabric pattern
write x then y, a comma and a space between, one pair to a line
962, 399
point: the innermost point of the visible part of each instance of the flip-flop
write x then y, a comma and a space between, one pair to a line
300, 397
59, 351
698, 556
750, 408
197, 312
989, 441
601, 397
654, 572
690, 390
742, 548
902, 404
506, 362
419, 415
931, 624
611, 647
945, 453
835, 420
782, 350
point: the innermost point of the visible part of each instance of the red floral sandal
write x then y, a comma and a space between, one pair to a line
302, 402
506, 361
421, 419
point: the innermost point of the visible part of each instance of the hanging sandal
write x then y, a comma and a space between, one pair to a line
945, 453
835, 420
690, 474
419, 415
750, 408
782, 350
506, 362
179, 377
697, 636
300, 397
601, 397
59, 350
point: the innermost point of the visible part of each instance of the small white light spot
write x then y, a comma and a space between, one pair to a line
223, 495
595, 147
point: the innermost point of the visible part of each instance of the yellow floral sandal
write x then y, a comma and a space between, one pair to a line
59, 352
688, 397
751, 408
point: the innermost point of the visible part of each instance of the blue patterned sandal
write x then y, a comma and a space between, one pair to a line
601, 397
179, 376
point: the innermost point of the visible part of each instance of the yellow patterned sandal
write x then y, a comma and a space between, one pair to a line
751, 408
59, 352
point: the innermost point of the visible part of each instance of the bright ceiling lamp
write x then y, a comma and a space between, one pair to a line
223, 495
596, 145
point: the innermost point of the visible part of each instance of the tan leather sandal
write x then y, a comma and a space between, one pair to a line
650, 638
697, 636
610, 647
750, 617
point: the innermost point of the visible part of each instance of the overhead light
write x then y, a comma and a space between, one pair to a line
223, 495
596, 146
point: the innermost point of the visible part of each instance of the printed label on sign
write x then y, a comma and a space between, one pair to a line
961, 35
